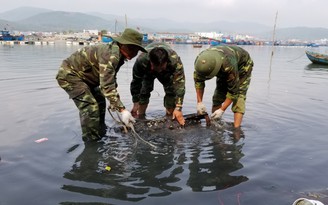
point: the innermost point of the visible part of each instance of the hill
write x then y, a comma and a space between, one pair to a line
37, 19
21, 13
303, 33
63, 21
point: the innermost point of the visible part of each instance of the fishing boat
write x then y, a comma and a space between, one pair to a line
197, 45
317, 58
6, 36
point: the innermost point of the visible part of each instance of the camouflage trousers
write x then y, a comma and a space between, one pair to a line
91, 104
239, 104
147, 88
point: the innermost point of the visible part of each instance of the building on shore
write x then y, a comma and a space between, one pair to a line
91, 37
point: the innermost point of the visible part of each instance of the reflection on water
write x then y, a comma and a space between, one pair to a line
317, 67
282, 156
208, 156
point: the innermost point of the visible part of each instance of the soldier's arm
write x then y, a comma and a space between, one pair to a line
136, 83
107, 74
179, 83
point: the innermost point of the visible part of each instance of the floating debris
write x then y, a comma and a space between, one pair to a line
108, 168
304, 201
41, 140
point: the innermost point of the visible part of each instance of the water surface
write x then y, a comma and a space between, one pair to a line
280, 156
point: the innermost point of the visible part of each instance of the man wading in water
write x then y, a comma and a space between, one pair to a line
89, 76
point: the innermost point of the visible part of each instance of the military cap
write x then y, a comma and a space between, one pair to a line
208, 63
131, 37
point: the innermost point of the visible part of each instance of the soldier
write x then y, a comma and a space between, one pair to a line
232, 66
89, 76
163, 63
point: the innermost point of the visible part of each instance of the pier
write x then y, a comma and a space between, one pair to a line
27, 42
74, 43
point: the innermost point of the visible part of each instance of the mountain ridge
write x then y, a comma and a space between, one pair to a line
38, 19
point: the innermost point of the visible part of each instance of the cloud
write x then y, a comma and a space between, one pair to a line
290, 12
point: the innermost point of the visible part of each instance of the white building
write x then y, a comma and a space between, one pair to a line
212, 35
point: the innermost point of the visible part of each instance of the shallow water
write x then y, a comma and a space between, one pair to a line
281, 154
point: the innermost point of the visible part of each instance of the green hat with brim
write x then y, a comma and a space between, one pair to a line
208, 63
131, 37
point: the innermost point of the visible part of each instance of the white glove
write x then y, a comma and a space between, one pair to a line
127, 118
201, 109
217, 114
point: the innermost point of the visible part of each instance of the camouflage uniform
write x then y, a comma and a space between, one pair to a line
233, 78
172, 79
89, 76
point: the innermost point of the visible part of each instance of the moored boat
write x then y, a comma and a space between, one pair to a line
317, 58
6, 36
197, 45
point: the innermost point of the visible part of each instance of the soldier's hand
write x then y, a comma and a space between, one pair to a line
217, 114
127, 118
134, 110
201, 109
177, 114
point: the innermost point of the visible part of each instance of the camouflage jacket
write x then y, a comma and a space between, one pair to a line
97, 66
236, 66
173, 75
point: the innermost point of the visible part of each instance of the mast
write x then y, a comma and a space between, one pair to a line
126, 21
273, 40
115, 25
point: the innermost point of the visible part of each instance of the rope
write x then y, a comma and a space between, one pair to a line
113, 116
134, 133
296, 58
118, 121
139, 137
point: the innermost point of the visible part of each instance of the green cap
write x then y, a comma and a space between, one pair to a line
131, 37
208, 63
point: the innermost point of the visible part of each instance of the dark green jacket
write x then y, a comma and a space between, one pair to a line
236, 67
173, 75
96, 66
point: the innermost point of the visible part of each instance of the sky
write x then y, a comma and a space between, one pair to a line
290, 13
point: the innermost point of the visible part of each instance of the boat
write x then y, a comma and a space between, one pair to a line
197, 45
312, 45
317, 58
214, 43
6, 36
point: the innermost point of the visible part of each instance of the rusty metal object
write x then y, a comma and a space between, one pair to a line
167, 122
197, 117
207, 119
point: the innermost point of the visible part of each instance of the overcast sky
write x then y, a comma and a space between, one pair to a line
291, 13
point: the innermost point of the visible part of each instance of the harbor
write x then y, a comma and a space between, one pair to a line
277, 156
27, 42
197, 39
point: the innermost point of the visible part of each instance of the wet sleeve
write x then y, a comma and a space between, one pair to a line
179, 82
107, 74
136, 83
199, 81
